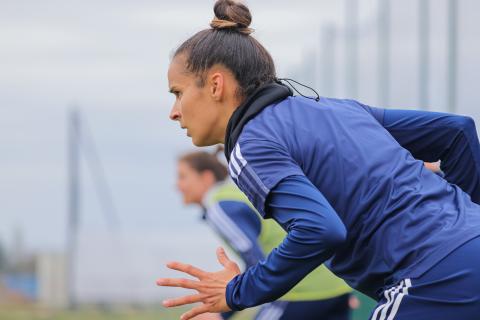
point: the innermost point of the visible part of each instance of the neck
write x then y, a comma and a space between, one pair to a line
230, 108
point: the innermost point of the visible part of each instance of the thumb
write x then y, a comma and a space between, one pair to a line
223, 258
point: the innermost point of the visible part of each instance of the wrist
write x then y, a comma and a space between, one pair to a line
231, 293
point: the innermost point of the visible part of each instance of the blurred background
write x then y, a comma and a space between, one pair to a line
89, 213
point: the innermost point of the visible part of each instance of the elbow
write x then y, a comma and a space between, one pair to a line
336, 236
465, 124
323, 237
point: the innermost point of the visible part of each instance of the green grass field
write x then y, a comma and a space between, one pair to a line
31, 313
129, 313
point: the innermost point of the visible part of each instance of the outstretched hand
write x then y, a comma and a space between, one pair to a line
210, 286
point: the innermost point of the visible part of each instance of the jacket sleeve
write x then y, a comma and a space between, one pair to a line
433, 136
239, 226
314, 231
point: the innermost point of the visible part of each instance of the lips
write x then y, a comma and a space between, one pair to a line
185, 128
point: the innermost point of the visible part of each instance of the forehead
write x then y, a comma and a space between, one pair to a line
185, 167
177, 72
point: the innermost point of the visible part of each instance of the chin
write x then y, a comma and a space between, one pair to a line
188, 200
199, 143
202, 142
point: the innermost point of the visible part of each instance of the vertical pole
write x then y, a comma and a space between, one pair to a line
452, 55
351, 48
73, 203
384, 52
423, 53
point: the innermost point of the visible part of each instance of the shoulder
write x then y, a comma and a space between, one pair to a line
295, 113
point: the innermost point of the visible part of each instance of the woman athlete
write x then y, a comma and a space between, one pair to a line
346, 181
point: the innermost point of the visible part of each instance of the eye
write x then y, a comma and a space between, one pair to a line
176, 93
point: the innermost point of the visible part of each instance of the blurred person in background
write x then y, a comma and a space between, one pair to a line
203, 180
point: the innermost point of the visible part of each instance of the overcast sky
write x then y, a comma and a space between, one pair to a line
110, 58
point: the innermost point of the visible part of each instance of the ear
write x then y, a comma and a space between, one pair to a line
217, 85
208, 177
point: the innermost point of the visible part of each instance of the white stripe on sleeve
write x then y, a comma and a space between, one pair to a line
229, 229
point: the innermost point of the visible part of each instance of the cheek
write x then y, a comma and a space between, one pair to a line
181, 186
192, 195
188, 103
195, 107
189, 189
187, 194
184, 184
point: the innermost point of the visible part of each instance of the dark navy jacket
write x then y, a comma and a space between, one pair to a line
348, 184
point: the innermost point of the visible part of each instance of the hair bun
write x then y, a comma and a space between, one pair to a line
230, 14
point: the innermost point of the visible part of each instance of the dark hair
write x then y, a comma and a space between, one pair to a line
228, 43
202, 161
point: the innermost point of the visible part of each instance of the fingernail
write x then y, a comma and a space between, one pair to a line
166, 303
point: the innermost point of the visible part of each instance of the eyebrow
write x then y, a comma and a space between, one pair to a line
173, 89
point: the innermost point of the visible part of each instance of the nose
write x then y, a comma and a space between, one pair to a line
175, 114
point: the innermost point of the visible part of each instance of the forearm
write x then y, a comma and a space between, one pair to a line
314, 231
461, 163
433, 136
272, 278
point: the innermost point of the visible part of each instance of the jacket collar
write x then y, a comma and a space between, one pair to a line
253, 105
